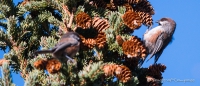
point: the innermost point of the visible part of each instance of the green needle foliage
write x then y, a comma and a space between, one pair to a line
104, 58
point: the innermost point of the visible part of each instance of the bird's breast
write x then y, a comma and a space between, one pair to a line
152, 35
72, 50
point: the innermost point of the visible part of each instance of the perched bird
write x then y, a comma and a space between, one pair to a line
157, 39
68, 46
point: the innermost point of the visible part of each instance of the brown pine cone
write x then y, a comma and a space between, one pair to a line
91, 38
155, 70
123, 73
146, 18
88, 38
109, 70
40, 64
87, 43
101, 40
53, 66
145, 6
83, 20
132, 20
100, 24
134, 48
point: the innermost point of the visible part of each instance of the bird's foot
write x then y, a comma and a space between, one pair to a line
70, 59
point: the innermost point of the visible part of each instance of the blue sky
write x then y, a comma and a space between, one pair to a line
182, 56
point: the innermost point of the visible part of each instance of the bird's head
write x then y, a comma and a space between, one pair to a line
166, 21
167, 24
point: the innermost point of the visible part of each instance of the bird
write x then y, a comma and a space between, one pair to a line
68, 46
158, 38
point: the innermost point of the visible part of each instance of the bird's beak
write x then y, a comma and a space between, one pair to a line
157, 21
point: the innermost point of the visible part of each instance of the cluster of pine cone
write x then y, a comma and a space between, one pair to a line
122, 72
142, 10
138, 12
51, 65
133, 49
155, 70
91, 30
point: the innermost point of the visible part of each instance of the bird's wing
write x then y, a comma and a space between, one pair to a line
69, 42
45, 51
157, 55
158, 46
42, 52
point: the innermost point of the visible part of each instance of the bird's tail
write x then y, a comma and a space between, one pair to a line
141, 61
150, 57
43, 51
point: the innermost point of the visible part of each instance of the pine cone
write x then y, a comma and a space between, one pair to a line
145, 6
146, 18
91, 37
109, 69
87, 43
83, 20
132, 20
119, 40
40, 64
53, 66
100, 24
134, 48
101, 40
145, 11
88, 37
123, 73
155, 70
